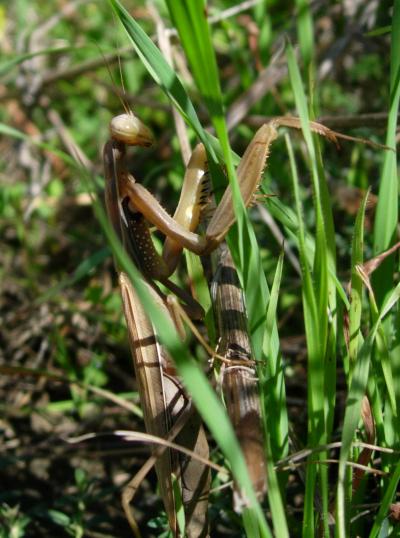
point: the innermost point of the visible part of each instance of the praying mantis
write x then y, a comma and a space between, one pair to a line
132, 209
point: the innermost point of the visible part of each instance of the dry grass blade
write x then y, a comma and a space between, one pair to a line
370, 266
365, 455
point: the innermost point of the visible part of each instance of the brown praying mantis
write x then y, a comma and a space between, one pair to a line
132, 209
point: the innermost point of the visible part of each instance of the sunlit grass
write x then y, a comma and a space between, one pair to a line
349, 318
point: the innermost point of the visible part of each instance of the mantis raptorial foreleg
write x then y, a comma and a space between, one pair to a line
179, 230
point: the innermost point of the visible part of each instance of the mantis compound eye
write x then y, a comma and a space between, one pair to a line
127, 128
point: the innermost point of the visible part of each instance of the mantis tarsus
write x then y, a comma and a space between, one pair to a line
132, 209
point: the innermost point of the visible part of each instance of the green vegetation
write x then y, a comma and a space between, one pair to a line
324, 319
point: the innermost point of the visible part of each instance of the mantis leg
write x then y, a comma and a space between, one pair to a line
142, 201
164, 401
249, 173
148, 363
179, 229
131, 201
194, 197
133, 230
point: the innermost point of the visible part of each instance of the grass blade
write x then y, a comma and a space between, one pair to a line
387, 210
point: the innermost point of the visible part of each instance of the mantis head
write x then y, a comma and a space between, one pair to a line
127, 128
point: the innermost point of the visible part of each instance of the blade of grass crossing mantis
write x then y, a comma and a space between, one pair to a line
195, 381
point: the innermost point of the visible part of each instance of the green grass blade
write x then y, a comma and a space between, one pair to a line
83, 269
287, 217
179, 508
357, 257
272, 376
305, 31
19, 135
353, 408
311, 327
274, 397
385, 503
387, 210
190, 19
250, 524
